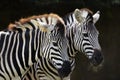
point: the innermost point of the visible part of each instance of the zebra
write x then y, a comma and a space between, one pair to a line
28, 41
54, 50
82, 36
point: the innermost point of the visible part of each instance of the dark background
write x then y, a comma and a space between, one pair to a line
108, 26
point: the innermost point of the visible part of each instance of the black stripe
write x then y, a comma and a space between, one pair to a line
56, 58
86, 39
37, 31
29, 77
55, 44
71, 17
31, 24
90, 17
57, 50
20, 51
68, 20
46, 20
46, 63
34, 71
9, 51
4, 54
32, 47
26, 52
89, 48
2, 37
2, 76
89, 52
14, 59
55, 54
39, 38
86, 44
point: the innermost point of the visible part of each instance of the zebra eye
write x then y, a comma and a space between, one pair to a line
55, 44
85, 34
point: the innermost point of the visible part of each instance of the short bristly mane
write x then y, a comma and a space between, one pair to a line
23, 21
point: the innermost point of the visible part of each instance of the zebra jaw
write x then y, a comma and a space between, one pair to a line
65, 70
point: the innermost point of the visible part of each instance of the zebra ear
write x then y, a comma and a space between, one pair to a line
78, 15
96, 16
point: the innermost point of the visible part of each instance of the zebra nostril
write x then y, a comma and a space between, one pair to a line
65, 69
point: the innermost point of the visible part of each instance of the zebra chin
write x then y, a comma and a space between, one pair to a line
65, 70
96, 62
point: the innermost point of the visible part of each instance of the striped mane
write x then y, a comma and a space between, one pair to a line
54, 19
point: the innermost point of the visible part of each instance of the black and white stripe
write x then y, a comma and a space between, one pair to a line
44, 68
82, 36
24, 45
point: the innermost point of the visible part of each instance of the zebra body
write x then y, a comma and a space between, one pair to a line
41, 71
25, 43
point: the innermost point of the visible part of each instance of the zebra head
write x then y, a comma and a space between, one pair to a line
83, 35
57, 47
59, 55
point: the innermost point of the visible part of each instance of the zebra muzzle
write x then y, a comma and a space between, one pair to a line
97, 58
65, 70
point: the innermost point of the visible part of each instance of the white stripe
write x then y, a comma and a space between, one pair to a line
6, 57
18, 61
11, 55
30, 57
49, 20
35, 40
23, 48
44, 20
36, 56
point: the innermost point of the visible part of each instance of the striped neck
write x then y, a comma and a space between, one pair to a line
70, 43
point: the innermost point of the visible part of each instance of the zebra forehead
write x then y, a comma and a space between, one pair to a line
88, 10
84, 14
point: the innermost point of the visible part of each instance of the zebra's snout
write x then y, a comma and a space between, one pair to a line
65, 70
97, 57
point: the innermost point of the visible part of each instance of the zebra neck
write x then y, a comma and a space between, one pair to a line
69, 19
70, 43
69, 22
41, 43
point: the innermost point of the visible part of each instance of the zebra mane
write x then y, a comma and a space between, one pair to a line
20, 24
